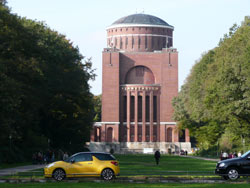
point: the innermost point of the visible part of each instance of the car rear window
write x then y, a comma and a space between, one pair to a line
104, 157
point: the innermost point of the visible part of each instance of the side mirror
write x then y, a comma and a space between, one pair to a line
72, 161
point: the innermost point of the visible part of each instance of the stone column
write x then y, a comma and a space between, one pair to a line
136, 117
121, 126
103, 133
144, 116
158, 119
151, 107
187, 138
128, 115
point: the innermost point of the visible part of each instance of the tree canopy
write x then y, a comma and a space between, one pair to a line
44, 92
214, 103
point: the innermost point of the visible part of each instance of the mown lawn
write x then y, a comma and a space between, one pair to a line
141, 164
122, 185
145, 164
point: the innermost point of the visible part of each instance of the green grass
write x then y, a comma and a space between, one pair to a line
122, 185
174, 165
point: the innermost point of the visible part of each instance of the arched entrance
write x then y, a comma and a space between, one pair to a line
110, 134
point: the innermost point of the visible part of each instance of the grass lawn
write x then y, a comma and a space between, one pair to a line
145, 164
125, 185
141, 164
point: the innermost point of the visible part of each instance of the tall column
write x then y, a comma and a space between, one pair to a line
128, 115
144, 116
103, 133
122, 130
151, 107
136, 117
187, 138
158, 119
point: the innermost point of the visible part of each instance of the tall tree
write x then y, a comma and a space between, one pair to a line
44, 91
215, 99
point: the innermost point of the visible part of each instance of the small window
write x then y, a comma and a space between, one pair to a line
121, 29
132, 42
83, 157
139, 42
104, 156
126, 29
146, 42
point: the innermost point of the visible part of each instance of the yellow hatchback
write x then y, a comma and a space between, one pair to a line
91, 164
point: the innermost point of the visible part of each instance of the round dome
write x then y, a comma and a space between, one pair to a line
141, 19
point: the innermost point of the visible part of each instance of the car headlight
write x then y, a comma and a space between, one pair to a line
50, 165
221, 164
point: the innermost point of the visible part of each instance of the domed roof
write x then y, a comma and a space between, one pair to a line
141, 19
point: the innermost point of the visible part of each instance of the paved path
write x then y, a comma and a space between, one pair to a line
11, 171
202, 158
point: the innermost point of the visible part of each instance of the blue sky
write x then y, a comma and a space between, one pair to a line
199, 24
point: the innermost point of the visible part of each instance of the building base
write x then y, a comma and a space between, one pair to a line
140, 147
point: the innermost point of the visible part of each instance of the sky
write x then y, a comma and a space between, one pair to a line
199, 24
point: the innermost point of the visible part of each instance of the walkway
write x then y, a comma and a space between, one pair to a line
11, 171
202, 158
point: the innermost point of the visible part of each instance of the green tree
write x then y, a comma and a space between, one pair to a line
215, 98
44, 92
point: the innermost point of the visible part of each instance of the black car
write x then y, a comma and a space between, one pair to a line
234, 168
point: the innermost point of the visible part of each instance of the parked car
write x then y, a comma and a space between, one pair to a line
91, 164
235, 167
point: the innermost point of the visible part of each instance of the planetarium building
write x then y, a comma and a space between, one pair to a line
139, 81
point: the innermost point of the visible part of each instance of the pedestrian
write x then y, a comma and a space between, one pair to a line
224, 155
157, 157
239, 154
65, 156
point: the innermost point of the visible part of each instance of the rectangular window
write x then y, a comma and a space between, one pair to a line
146, 42
126, 42
147, 109
155, 109
152, 42
139, 42
125, 108
132, 109
132, 42
139, 109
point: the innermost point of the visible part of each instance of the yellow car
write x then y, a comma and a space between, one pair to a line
84, 164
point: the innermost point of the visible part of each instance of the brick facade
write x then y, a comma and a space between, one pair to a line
139, 81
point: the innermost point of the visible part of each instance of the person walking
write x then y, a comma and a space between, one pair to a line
157, 156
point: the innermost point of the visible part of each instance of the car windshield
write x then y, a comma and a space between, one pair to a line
246, 154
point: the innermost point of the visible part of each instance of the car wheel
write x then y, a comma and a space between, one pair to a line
59, 174
233, 174
107, 174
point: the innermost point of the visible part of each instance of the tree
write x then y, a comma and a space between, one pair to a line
44, 92
215, 98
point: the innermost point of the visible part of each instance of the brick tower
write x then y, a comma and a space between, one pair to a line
139, 80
